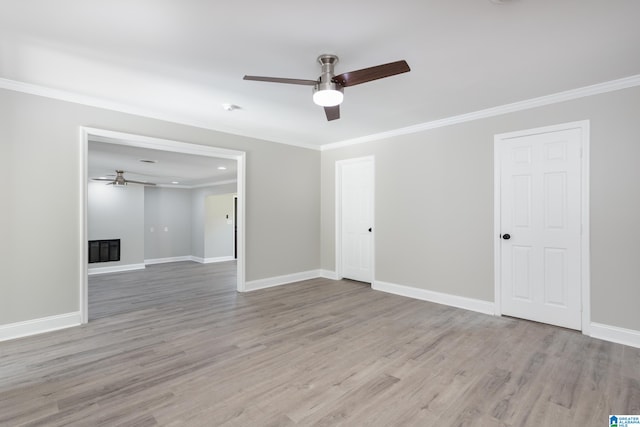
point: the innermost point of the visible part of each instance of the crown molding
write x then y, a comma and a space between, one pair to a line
213, 184
596, 89
192, 187
555, 98
91, 101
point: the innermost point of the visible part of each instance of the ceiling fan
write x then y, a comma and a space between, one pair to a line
120, 180
328, 88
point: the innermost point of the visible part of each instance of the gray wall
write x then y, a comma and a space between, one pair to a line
434, 203
167, 209
218, 227
198, 196
117, 213
41, 154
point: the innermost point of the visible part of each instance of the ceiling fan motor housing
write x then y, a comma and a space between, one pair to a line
327, 92
119, 180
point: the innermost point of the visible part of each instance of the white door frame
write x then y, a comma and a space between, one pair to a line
585, 275
141, 141
338, 219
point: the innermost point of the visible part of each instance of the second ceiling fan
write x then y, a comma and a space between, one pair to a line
328, 88
119, 180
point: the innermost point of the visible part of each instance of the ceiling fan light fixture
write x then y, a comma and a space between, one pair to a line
328, 88
328, 94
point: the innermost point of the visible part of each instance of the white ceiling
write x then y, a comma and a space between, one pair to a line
105, 156
183, 59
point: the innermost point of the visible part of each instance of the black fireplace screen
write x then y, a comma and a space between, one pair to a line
104, 250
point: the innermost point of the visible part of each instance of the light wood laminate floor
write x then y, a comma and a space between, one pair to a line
176, 345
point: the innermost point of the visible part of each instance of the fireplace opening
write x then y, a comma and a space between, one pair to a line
104, 250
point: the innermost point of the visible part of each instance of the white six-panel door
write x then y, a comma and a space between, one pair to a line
540, 227
355, 217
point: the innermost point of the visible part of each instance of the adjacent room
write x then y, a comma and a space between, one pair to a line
439, 229
147, 207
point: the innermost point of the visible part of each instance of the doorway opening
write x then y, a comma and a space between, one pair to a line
151, 143
235, 227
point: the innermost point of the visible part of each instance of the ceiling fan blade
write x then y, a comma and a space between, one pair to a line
281, 80
139, 182
102, 179
365, 75
333, 113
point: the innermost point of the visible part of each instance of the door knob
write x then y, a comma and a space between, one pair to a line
506, 236
369, 229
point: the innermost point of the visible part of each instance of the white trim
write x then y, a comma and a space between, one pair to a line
93, 134
270, 282
485, 307
83, 244
615, 334
338, 220
212, 260
191, 187
241, 191
91, 101
114, 269
213, 184
38, 326
188, 258
328, 274
153, 143
585, 248
338, 217
582, 92
497, 226
585, 268
168, 259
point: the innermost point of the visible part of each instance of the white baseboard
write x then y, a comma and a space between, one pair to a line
38, 326
115, 269
480, 306
168, 259
615, 334
328, 274
188, 258
270, 282
211, 260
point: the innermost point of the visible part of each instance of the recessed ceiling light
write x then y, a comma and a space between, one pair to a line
230, 107
147, 161
222, 168
175, 182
